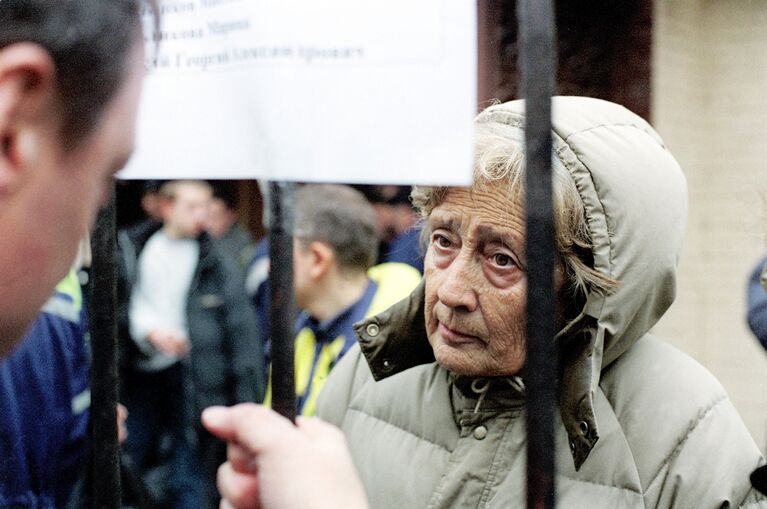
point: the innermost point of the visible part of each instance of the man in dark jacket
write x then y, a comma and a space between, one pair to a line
189, 340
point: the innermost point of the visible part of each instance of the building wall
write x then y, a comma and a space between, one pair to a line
603, 50
709, 102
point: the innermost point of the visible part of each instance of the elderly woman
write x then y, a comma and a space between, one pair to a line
432, 404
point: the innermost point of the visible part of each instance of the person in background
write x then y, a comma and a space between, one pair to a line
257, 273
191, 337
432, 401
756, 302
398, 242
151, 219
756, 317
398, 225
257, 288
151, 200
224, 226
336, 283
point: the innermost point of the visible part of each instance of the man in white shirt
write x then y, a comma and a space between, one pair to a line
190, 338
165, 269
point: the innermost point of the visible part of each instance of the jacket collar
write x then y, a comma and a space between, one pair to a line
475, 399
395, 340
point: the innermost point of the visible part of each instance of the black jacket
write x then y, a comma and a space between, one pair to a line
224, 365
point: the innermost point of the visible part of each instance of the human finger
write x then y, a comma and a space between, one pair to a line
251, 426
240, 490
122, 429
241, 459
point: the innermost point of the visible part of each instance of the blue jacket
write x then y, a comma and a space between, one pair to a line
404, 248
44, 406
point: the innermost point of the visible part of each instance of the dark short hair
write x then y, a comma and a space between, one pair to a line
227, 192
152, 186
88, 41
385, 195
342, 218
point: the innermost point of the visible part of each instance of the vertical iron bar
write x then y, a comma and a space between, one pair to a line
282, 305
536, 50
105, 447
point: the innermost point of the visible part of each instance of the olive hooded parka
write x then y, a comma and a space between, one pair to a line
642, 424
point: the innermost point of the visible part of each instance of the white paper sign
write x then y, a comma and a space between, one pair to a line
357, 91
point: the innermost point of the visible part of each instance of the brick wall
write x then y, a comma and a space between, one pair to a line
709, 102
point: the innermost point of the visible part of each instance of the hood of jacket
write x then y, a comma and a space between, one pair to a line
636, 205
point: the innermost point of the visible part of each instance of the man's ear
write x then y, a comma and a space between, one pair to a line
27, 81
323, 258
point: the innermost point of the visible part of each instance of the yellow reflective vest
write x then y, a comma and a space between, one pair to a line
315, 357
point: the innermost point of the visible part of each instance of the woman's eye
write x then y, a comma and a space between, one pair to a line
502, 260
442, 241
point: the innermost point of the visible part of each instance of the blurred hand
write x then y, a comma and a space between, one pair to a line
275, 465
122, 429
169, 342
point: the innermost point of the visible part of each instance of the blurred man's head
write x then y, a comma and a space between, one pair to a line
223, 212
336, 235
184, 208
220, 218
393, 209
151, 199
70, 77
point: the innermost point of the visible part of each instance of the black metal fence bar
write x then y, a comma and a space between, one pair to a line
282, 303
106, 491
536, 43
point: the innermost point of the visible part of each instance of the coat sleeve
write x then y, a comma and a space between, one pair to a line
690, 447
757, 304
245, 345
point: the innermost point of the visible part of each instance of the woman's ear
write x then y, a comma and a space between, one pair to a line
27, 77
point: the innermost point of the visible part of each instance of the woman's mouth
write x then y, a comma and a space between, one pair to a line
455, 337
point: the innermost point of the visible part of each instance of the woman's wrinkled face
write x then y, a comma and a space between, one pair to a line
476, 282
